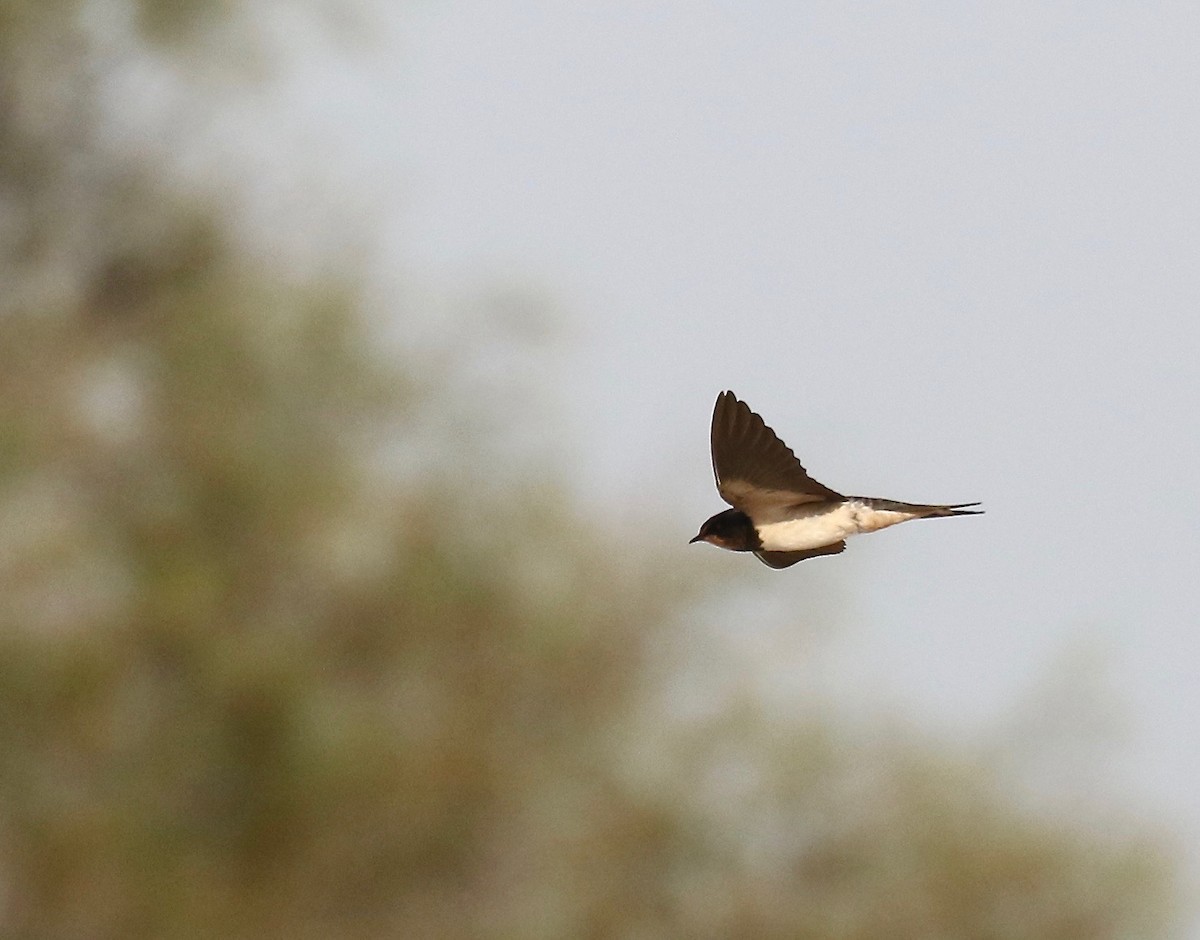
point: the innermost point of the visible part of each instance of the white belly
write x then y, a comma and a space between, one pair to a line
815, 526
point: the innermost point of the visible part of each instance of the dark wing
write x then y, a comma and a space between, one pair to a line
755, 470
787, 559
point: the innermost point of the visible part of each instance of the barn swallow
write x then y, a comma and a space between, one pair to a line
779, 512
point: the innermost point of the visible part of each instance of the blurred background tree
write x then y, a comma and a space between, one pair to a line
282, 654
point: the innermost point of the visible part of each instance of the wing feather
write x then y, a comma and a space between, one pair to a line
753, 467
787, 559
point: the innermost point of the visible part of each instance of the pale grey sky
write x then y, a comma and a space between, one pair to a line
947, 250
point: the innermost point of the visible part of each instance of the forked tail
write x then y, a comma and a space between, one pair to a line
923, 511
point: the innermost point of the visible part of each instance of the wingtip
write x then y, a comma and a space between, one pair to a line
729, 403
726, 405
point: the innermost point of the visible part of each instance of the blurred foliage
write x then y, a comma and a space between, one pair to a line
264, 673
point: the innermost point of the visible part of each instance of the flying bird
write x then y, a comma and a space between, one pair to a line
779, 512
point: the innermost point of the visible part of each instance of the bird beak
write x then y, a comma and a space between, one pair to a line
698, 538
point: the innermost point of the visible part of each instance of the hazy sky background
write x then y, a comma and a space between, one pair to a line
948, 251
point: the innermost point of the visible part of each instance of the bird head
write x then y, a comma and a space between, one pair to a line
730, 529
